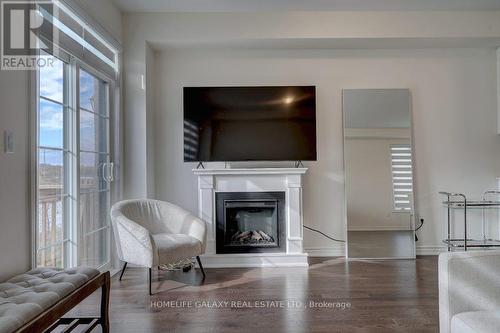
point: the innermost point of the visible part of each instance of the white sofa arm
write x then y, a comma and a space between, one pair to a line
468, 281
134, 242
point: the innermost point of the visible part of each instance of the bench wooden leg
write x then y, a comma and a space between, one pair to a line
105, 303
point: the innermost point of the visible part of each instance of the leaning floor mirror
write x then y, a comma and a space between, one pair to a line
378, 157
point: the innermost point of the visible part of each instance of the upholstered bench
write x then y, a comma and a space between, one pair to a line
35, 301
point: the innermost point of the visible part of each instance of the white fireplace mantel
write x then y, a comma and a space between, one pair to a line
288, 180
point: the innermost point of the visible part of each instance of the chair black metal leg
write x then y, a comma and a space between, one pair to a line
123, 270
150, 292
201, 266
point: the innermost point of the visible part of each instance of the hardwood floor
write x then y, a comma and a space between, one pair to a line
376, 296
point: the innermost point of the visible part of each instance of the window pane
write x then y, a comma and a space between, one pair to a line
50, 232
51, 124
94, 250
50, 172
92, 93
50, 207
93, 132
94, 211
92, 172
51, 80
51, 257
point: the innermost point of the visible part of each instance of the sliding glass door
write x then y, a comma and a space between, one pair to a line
95, 168
74, 168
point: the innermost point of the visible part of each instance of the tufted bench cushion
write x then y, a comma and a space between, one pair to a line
25, 296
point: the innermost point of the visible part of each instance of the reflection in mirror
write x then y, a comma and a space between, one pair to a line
378, 170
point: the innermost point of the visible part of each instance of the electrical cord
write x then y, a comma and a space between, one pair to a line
343, 241
322, 233
421, 224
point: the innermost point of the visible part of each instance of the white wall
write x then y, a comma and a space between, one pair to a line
15, 224
454, 117
498, 89
14, 175
276, 30
446, 85
150, 81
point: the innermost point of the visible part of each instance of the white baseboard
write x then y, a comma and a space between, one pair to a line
435, 250
254, 260
340, 252
113, 271
326, 251
287, 260
378, 228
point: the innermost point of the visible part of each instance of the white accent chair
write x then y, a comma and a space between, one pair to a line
469, 292
150, 233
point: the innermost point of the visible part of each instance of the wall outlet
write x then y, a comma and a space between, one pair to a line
8, 142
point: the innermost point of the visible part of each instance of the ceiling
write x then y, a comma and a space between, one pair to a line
301, 5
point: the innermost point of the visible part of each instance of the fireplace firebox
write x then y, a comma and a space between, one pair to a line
249, 222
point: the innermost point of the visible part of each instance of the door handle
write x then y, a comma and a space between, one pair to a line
103, 172
108, 171
111, 176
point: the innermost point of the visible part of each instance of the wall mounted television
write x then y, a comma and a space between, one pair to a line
272, 123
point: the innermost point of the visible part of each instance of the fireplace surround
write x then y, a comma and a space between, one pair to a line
284, 247
250, 222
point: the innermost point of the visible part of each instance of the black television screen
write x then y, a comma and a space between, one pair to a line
249, 123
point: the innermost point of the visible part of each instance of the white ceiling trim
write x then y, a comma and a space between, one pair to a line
303, 5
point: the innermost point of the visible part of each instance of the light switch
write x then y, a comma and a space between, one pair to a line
8, 142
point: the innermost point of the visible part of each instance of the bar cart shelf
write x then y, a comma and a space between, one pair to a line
471, 243
456, 201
